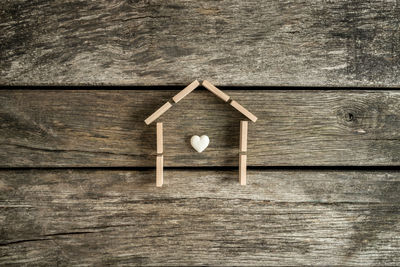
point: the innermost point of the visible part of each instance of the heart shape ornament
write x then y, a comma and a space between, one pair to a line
200, 143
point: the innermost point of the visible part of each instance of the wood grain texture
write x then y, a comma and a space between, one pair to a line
89, 217
105, 128
255, 42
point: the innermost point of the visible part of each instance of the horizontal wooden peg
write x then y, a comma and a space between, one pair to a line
243, 136
158, 113
244, 111
215, 90
160, 170
242, 168
160, 141
187, 90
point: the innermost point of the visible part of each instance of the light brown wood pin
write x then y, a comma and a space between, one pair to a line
160, 157
243, 136
215, 90
160, 141
242, 152
158, 113
242, 168
187, 90
244, 111
159, 170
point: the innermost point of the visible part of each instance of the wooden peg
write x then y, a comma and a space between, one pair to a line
215, 90
187, 90
158, 113
244, 111
243, 136
159, 170
242, 169
160, 144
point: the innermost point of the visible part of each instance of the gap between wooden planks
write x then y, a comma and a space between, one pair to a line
97, 128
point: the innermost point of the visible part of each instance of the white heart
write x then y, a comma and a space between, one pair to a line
200, 143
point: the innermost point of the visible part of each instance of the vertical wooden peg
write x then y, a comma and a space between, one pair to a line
242, 152
242, 169
159, 170
243, 136
160, 157
160, 145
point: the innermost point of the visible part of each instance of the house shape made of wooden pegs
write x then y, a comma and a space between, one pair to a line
226, 98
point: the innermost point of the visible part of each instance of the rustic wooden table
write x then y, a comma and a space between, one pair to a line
77, 182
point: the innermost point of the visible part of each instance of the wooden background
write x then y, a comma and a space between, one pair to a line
77, 177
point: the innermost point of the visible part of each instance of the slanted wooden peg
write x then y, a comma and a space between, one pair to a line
187, 90
158, 113
243, 110
215, 90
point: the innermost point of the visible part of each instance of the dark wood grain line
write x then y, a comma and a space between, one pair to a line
119, 217
239, 43
99, 128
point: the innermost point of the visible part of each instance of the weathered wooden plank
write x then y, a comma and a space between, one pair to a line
105, 128
119, 217
255, 42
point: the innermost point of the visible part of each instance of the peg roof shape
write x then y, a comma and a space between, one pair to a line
188, 89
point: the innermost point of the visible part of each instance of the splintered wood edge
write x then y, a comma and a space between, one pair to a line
243, 136
244, 111
187, 90
242, 169
158, 113
159, 170
215, 90
160, 141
